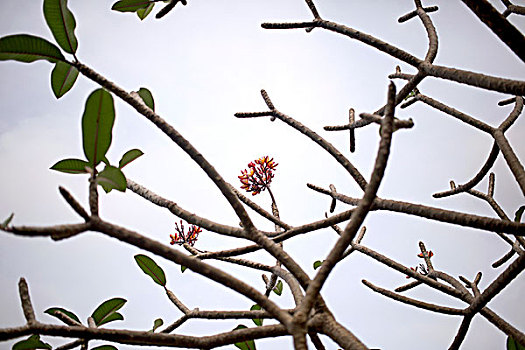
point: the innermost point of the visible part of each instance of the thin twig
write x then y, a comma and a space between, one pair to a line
74, 203
417, 303
27, 306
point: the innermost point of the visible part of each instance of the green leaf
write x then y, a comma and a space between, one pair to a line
144, 12
33, 342
62, 24
107, 311
247, 344
105, 347
72, 166
278, 288
97, 124
513, 344
257, 321
151, 269
51, 311
130, 5
63, 78
157, 323
112, 178
129, 156
147, 97
7, 221
183, 268
317, 264
519, 213
28, 48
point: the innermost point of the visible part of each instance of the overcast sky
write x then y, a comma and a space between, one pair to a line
203, 63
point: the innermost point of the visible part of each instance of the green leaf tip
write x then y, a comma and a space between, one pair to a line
144, 12
72, 166
131, 5
317, 264
97, 125
28, 48
147, 97
513, 344
107, 311
278, 288
247, 344
7, 221
519, 213
33, 342
257, 321
62, 24
183, 268
51, 311
156, 324
150, 268
63, 77
105, 347
129, 156
112, 178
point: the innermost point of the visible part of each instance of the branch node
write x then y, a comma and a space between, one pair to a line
413, 14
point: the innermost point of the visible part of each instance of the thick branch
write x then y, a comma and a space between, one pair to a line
449, 216
176, 137
511, 36
362, 209
192, 263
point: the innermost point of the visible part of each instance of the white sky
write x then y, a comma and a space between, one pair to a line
203, 63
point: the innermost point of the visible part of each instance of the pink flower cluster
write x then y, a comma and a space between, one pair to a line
258, 176
180, 237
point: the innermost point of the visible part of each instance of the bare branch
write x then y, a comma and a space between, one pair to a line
176, 137
462, 332
74, 203
184, 214
511, 36
512, 160
55, 232
502, 281
169, 6
417, 303
192, 263
260, 210
365, 204
452, 217
321, 142
27, 307
413, 14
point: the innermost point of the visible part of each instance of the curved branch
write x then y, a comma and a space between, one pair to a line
327, 146
365, 204
175, 136
192, 263
184, 214
155, 339
477, 178
417, 303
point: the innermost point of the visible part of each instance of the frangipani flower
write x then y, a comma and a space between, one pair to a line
258, 176
179, 237
430, 254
